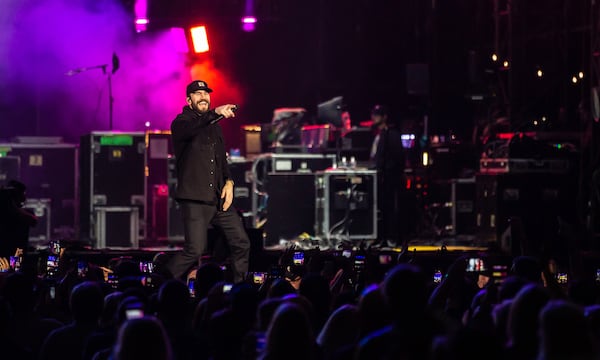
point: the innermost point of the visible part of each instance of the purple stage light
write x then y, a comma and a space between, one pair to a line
248, 27
249, 20
248, 23
140, 8
141, 25
179, 41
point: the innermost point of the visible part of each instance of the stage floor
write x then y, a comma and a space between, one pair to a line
434, 252
431, 254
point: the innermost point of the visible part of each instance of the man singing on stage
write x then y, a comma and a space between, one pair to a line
204, 185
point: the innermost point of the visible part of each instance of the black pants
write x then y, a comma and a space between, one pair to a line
397, 212
196, 219
390, 228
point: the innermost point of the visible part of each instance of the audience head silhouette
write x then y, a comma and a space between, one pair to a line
142, 338
86, 302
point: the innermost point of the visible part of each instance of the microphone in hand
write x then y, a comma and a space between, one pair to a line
220, 117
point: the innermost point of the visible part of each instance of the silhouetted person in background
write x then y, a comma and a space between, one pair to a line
174, 310
142, 338
564, 332
280, 288
68, 342
388, 158
207, 275
112, 317
373, 310
316, 290
15, 221
340, 333
523, 322
228, 327
413, 328
290, 335
25, 328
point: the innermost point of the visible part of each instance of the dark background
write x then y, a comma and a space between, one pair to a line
306, 52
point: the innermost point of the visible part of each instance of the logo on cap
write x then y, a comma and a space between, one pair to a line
197, 85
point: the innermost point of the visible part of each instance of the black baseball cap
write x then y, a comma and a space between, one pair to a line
380, 110
197, 85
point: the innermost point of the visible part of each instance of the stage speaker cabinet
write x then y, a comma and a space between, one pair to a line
175, 230
300, 163
263, 170
117, 227
112, 176
157, 156
9, 168
537, 198
241, 174
158, 221
50, 170
454, 200
40, 234
346, 204
251, 139
290, 207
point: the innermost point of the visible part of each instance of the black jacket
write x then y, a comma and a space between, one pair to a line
201, 161
390, 157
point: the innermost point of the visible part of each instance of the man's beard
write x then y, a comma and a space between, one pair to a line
199, 106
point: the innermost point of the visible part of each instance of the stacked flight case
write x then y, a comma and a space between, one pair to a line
158, 160
9, 168
282, 194
112, 188
49, 169
41, 233
538, 199
346, 205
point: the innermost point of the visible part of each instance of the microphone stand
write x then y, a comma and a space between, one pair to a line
110, 99
115, 67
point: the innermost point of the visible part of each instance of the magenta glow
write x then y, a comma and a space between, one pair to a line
178, 40
249, 20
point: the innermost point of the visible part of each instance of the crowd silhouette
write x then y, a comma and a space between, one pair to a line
311, 311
